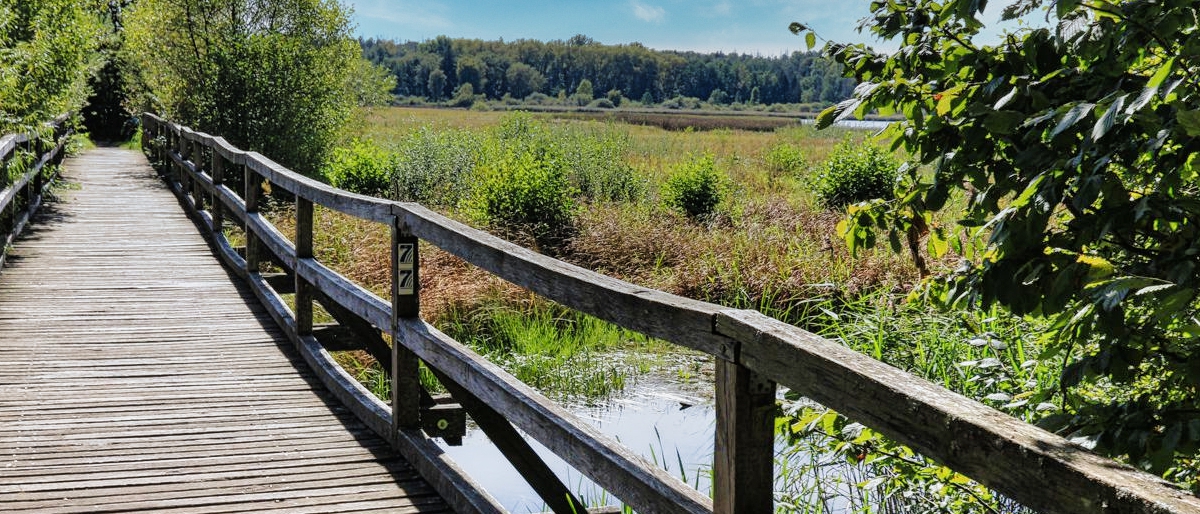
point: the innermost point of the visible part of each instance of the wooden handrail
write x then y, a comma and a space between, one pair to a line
30, 186
753, 352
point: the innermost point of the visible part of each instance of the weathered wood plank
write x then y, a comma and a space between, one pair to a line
365, 207
345, 292
1040, 469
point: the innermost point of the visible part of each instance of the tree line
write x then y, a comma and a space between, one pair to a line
436, 69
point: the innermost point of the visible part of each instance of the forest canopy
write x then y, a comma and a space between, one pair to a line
435, 69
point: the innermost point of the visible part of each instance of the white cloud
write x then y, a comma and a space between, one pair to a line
722, 8
650, 13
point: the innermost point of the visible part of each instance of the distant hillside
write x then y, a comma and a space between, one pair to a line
434, 70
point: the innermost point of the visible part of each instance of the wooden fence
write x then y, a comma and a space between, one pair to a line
22, 159
221, 185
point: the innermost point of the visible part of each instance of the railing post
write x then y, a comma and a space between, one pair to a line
218, 206
197, 156
252, 196
744, 453
304, 250
35, 185
181, 147
406, 303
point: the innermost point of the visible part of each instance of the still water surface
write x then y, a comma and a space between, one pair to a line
666, 428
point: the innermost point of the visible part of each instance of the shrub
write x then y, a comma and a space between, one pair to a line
695, 187
523, 193
785, 158
434, 168
601, 103
615, 96
539, 99
598, 163
464, 96
363, 167
855, 172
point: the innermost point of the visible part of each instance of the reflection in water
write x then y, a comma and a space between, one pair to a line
667, 429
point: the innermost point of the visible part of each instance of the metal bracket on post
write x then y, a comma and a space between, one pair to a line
406, 304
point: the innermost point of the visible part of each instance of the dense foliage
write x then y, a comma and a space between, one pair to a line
106, 116
276, 77
47, 53
855, 172
523, 188
361, 166
695, 187
1076, 145
435, 69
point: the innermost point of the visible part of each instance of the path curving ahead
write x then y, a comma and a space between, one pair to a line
135, 374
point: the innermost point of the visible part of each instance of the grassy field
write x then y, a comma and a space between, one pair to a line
768, 242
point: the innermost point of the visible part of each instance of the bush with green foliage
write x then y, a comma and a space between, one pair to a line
464, 96
434, 168
598, 163
856, 171
785, 159
362, 167
1076, 143
695, 187
523, 190
601, 103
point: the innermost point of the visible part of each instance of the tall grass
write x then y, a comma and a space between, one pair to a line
569, 356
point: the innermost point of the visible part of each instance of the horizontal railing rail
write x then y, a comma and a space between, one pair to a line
221, 184
21, 193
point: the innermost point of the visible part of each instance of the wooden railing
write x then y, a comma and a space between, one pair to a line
21, 196
753, 353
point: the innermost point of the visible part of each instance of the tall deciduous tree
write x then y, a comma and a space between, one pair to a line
278, 77
1077, 147
523, 80
47, 53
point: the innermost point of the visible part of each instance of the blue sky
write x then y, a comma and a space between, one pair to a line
744, 26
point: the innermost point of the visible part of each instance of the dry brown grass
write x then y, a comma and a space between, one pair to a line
769, 254
360, 250
633, 242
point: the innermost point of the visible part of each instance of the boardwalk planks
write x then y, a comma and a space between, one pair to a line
134, 374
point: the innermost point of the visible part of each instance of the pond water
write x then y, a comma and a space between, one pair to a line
858, 124
668, 428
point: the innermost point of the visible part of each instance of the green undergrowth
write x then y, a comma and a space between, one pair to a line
569, 356
831, 460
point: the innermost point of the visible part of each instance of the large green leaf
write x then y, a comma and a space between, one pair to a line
1106, 122
1078, 112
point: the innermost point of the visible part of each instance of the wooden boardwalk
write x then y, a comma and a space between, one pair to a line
136, 375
